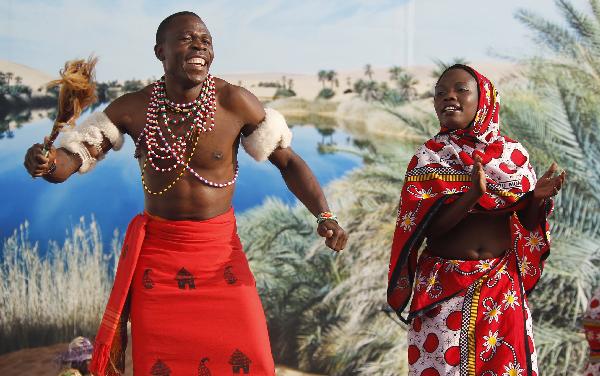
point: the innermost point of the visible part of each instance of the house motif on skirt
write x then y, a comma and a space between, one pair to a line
146, 280
229, 276
183, 278
239, 362
160, 369
203, 368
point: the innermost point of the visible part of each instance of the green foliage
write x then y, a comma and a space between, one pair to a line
329, 76
441, 66
326, 93
284, 93
13, 87
132, 85
269, 84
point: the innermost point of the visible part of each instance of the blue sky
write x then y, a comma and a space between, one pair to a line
268, 36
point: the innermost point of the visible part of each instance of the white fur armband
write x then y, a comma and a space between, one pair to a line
92, 132
272, 133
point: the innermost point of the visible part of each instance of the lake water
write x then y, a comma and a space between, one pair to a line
112, 191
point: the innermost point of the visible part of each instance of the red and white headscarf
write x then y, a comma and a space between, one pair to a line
441, 170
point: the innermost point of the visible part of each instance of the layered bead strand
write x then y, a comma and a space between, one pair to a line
201, 112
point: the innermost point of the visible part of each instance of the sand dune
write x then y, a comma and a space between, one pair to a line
306, 86
33, 78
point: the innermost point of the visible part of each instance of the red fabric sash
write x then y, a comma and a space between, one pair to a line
109, 347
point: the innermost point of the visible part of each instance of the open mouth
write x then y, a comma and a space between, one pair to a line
451, 109
198, 62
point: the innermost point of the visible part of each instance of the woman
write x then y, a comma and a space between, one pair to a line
472, 193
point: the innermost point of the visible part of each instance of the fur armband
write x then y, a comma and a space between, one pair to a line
92, 132
271, 134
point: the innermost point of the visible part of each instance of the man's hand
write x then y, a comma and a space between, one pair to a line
36, 163
549, 185
335, 236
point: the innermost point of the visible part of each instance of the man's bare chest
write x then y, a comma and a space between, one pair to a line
199, 144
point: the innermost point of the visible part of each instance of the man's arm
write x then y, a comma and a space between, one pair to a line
295, 172
60, 163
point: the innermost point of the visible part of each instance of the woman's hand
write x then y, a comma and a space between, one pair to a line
549, 185
478, 178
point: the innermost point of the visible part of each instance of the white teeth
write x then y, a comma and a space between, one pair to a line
450, 108
197, 60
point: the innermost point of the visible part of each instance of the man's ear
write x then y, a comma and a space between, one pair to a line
158, 52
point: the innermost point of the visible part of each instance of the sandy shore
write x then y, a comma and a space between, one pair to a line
39, 361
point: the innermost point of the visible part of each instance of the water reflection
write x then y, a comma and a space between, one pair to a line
112, 192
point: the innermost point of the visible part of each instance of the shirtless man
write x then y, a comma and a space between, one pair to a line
186, 243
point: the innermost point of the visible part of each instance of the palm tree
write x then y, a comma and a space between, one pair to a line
370, 91
574, 48
331, 77
441, 66
9, 76
18, 80
322, 77
369, 71
395, 73
406, 85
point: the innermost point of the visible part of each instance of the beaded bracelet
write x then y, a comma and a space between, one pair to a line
51, 170
326, 216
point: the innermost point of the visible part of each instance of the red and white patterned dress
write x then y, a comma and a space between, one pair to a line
591, 324
468, 317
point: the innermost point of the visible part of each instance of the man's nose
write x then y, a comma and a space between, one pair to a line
199, 45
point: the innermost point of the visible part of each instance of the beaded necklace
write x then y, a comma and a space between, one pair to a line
201, 112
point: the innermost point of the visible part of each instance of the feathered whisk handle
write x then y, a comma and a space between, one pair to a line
77, 92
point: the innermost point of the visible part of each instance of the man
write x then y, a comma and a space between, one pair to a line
182, 276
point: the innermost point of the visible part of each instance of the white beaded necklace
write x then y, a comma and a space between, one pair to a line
199, 111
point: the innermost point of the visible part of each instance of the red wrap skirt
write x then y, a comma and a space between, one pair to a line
194, 307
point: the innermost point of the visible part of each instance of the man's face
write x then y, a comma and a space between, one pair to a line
187, 50
455, 99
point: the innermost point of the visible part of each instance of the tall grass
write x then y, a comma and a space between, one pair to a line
52, 297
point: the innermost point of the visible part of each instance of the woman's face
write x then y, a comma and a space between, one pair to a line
456, 98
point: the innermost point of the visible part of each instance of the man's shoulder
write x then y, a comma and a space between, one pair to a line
122, 110
239, 101
231, 95
135, 97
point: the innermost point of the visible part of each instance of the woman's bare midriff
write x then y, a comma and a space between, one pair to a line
476, 237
